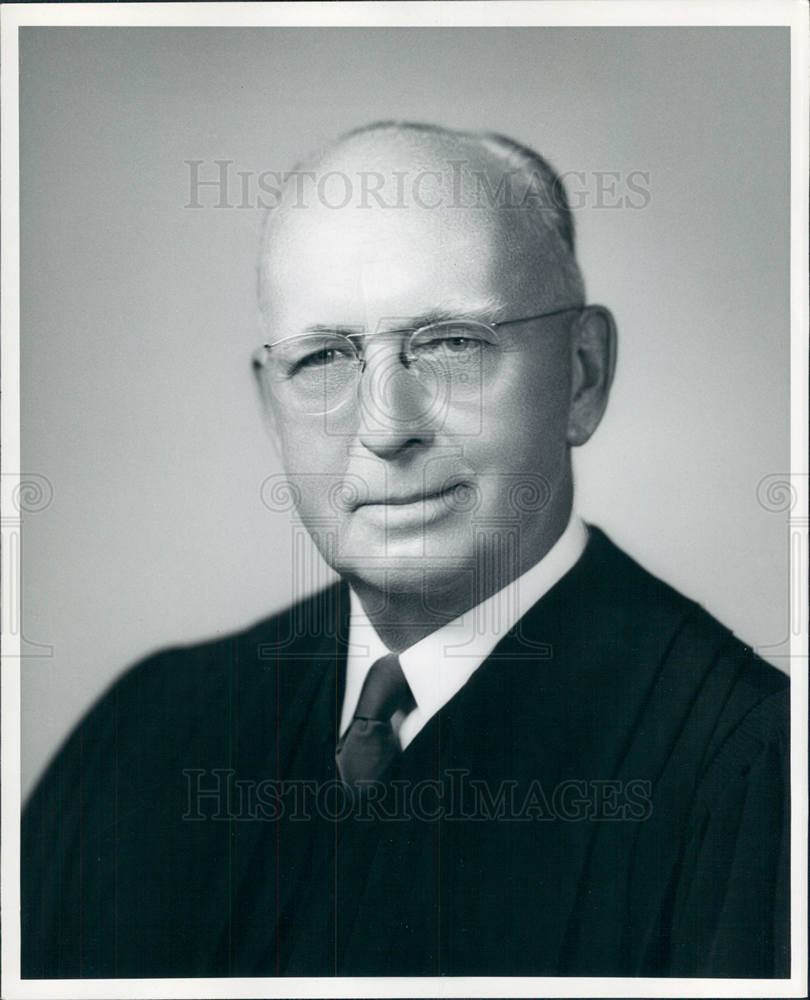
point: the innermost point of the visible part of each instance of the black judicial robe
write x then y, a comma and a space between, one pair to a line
607, 796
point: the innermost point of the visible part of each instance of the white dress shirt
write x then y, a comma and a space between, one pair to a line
438, 666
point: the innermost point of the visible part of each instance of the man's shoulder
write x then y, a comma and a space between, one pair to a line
116, 803
198, 694
306, 630
623, 588
695, 650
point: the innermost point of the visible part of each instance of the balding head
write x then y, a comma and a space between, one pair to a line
455, 198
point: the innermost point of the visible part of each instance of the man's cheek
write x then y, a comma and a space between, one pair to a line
304, 450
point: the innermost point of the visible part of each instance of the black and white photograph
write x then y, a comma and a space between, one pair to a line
404, 499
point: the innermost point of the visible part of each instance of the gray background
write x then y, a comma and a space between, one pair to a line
139, 315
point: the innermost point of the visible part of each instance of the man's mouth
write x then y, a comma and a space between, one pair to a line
415, 508
448, 492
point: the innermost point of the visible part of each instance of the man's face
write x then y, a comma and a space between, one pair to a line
412, 484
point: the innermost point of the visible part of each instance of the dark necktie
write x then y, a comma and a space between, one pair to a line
369, 745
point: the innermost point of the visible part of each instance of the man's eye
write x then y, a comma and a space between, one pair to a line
322, 358
455, 345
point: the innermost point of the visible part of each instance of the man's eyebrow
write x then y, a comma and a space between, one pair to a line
402, 324
482, 311
425, 319
331, 328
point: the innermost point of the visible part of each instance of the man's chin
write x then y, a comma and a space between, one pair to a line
431, 578
449, 569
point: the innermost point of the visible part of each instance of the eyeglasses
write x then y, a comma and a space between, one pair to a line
317, 373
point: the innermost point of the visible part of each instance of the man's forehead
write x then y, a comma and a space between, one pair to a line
369, 282
379, 240
357, 255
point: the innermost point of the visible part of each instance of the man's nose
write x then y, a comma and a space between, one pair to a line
397, 412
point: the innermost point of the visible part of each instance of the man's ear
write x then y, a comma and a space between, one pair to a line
593, 361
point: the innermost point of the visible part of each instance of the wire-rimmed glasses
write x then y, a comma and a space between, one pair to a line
317, 373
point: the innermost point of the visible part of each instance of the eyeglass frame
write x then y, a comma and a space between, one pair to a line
412, 333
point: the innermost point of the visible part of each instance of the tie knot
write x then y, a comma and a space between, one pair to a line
385, 691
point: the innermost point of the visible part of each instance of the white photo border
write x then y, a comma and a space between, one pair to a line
443, 13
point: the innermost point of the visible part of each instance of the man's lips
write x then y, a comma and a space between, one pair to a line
415, 497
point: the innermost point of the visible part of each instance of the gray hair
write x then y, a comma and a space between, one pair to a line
534, 170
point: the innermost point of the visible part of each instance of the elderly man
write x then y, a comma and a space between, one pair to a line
498, 746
